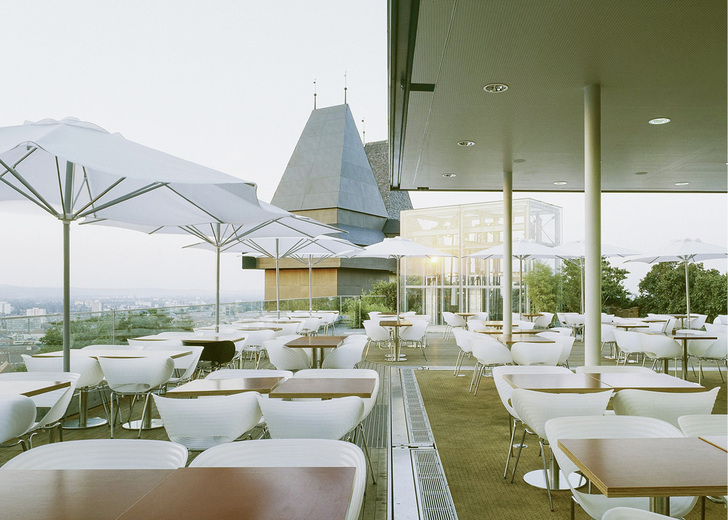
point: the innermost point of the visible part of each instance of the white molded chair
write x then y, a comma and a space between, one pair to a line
376, 334
112, 347
666, 406
488, 353
369, 402
505, 390
415, 336
254, 345
90, 377
709, 350
462, 340
346, 355
543, 321
56, 401
535, 408
697, 321
135, 377
630, 513
562, 330
162, 344
566, 343
661, 348
721, 319
703, 424
17, 414
185, 366
628, 343
523, 324
199, 424
102, 454
327, 419
309, 326
525, 353
610, 427
608, 338
292, 453
286, 358
452, 321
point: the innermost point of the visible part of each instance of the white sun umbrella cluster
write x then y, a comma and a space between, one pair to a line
75, 170
576, 251
398, 248
522, 250
284, 238
683, 251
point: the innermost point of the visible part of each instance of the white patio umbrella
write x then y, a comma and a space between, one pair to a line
522, 249
277, 239
73, 170
576, 251
684, 251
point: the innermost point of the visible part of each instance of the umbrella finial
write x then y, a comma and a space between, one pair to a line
345, 87
314, 93
363, 132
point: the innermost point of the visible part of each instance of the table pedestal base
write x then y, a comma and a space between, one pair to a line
134, 425
90, 422
660, 505
390, 357
535, 478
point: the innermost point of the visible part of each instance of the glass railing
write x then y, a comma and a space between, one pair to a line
34, 334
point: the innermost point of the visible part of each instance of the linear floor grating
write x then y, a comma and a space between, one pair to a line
375, 425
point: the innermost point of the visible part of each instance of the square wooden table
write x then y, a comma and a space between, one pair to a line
655, 468
685, 338
510, 339
209, 387
531, 332
206, 336
324, 387
495, 324
647, 381
396, 325
125, 354
556, 383
627, 326
30, 388
318, 344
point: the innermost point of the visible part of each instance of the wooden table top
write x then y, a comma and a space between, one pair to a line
208, 387
30, 388
324, 387
496, 324
316, 342
556, 383
465, 314
692, 336
395, 323
74, 494
719, 441
653, 320
647, 381
257, 329
126, 354
510, 339
650, 467
206, 336
500, 332
200, 493
532, 315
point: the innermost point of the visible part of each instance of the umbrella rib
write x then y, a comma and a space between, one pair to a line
40, 200
118, 200
7, 170
84, 183
95, 199
193, 204
257, 227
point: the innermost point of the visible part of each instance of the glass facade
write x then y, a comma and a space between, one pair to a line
462, 284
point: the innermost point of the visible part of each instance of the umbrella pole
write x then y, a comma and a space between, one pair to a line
217, 288
581, 283
687, 292
278, 285
66, 295
310, 284
520, 286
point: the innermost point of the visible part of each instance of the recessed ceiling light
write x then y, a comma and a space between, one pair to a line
495, 88
449, 175
519, 161
560, 183
466, 143
681, 183
640, 173
659, 121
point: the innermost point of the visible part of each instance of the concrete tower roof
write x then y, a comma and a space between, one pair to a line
329, 169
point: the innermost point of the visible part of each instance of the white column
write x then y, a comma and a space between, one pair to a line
593, 225
507, 282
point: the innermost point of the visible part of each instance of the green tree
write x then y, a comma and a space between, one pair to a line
614, 294
662, 290
542, 284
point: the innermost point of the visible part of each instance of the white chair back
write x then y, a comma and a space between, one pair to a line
285, 358
88, 369
17, 414
525, 353
505, 390
697, 425
328, 419
631, 513
237, 373
374, 331
136, 375
345, 356
666, 406
200, 424
102, 454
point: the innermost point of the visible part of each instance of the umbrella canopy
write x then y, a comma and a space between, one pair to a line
522, 249
399, 248
576, 251
684, 251
73, 169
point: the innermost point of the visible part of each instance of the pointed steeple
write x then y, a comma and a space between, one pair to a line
329, 168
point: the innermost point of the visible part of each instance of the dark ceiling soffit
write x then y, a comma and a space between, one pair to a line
403, 15
422, 87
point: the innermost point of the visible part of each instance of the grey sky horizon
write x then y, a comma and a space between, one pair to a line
230, 85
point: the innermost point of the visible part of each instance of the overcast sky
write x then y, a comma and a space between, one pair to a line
229, 84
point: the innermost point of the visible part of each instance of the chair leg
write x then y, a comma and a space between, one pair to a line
544, 456
112, 415
480, 376
144, 412
459, 362
518, 456
512, 423
360, 431
369, 342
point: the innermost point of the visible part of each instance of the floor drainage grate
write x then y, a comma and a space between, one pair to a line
435, 499
417, 423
